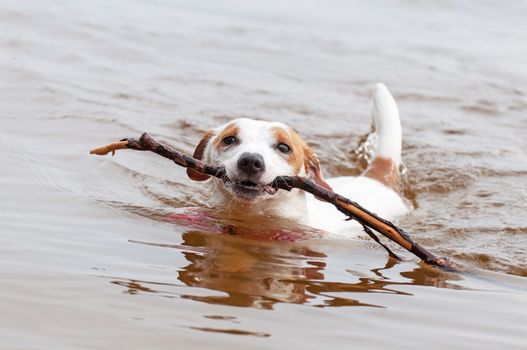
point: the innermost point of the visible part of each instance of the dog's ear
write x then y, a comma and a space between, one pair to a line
313, 171
198, 154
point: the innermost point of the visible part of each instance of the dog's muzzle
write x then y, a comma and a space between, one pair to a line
247, 185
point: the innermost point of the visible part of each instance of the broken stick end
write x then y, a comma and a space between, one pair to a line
112, 147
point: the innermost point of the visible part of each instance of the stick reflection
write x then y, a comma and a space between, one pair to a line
259, 273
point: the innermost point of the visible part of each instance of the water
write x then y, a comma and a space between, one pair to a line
88, 263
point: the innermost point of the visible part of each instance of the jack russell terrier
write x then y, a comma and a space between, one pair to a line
255, 152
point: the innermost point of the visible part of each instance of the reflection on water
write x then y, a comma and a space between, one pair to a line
231, 331
259, 274
77, 74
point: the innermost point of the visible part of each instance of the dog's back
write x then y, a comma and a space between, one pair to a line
255, 152
376, 188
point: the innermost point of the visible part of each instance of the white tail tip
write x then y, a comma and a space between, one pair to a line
387, 124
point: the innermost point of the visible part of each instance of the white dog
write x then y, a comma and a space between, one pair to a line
255, 152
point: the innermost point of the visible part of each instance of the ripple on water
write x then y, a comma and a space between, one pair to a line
146, 273
260, 275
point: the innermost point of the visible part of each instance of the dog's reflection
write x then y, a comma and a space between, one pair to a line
261, 273
252, 273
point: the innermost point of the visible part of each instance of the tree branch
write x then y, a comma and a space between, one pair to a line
349, 208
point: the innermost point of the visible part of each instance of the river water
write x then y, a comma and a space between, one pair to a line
87, 260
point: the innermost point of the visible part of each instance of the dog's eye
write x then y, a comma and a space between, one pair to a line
229, 140
282, 147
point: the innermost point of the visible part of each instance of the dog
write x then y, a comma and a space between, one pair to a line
255, 152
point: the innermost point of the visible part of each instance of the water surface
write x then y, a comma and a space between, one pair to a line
88, 260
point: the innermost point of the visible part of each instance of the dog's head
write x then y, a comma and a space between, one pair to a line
254, 153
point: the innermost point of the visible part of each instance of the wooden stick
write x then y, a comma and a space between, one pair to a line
112, 147
351, 209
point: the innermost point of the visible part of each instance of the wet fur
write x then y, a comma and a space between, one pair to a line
375, 189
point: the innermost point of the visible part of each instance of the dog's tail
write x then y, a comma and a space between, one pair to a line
385, 166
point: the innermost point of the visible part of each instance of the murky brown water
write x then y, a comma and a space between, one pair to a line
88, 263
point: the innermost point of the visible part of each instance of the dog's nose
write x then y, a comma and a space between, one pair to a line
251, 164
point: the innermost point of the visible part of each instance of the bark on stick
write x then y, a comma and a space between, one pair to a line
354, 211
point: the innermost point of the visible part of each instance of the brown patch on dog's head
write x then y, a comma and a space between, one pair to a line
301, 156
296, 156
230, 130
198, 154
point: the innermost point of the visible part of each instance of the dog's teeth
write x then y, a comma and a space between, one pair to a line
269, 189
